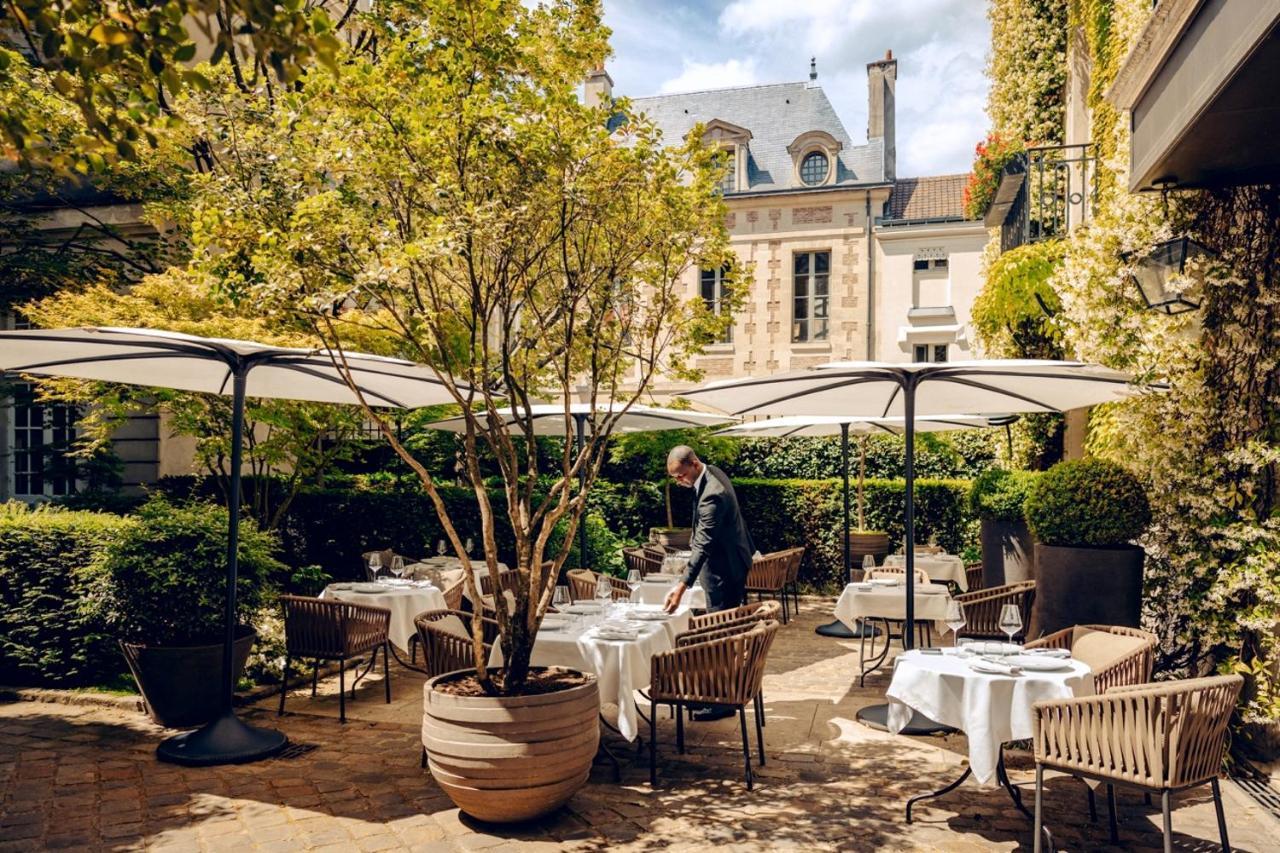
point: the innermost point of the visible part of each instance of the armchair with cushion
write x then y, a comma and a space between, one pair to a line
325, 629
725, 670
1118, 656
1159, 738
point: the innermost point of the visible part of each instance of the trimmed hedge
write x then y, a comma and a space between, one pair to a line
999, 494
50, 570
1090, 503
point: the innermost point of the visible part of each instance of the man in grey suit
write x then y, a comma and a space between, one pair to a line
721, 546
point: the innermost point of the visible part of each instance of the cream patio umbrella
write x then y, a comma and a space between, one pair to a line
823, 426
552, 419
161, 359
919, 391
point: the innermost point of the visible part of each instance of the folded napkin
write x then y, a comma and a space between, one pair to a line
555, 622
993, 648
1048, 653
989, 665
660, 577
616, 634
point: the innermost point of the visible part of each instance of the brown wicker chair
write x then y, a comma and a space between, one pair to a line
642, 560
973, 574
582, 586
334, 630
445, 636
768, 576
748, 613
1159, 738
795, 556
982, 609
896, 573
727, 670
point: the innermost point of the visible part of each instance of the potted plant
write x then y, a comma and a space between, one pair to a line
997, 498
521, 260
163, 592
861, 540
1085, 515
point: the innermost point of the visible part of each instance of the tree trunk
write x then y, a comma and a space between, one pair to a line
666, 491
862, 476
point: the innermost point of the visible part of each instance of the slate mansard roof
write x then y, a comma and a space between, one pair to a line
775, 114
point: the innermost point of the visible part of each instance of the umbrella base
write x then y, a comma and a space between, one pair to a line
877, 717
226, 740
842, 631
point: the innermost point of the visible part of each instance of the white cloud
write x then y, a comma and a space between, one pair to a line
674, 46
698, 76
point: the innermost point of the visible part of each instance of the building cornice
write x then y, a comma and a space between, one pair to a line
802, 191
903, 230
1168, 21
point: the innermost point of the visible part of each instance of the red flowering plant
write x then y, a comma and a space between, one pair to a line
989, 159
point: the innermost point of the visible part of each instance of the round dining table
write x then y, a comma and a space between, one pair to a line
405, 600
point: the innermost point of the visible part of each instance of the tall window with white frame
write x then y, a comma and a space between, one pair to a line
729, 159
810, 296
714, 285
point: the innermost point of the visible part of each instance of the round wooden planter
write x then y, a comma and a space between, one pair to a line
1007, 554
862, 543
1086, 586
182, 685
678, 537
504, 759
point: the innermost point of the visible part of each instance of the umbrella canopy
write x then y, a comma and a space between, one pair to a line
160, 359
826, 426
549, 418
920, 390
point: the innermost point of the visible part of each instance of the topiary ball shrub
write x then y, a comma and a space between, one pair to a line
1087, 503
165, 584
998, 494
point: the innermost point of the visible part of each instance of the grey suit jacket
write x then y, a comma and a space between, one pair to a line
721, 544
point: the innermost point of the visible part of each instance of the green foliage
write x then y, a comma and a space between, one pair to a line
1027, 67
1012, 314
958, 455
50, 569
990, 156
1088, 503
999, 494
165, 583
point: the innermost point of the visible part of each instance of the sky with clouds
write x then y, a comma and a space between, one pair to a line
663, 46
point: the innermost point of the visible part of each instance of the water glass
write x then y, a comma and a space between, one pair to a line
440, 548
375, 566
1010, 620
470, 546
604, 590
634, 579
560, 599
955, 619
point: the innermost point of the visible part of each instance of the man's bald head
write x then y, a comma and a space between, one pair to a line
683, 465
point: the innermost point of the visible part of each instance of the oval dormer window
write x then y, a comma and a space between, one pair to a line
814, 168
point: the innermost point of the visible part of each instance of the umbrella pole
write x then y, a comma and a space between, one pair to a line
836, 628
582, 479
227, 740
909, 475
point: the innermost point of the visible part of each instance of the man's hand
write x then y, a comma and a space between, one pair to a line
673, 597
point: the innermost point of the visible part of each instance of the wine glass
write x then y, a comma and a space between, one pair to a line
375, 566
604, 591
397, 566
955, 619
440, 548
868, 563
560, 598
634, 579
1010, 620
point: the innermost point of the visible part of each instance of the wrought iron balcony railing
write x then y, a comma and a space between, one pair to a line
1044, 192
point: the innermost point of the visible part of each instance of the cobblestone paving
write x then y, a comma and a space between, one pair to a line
84, 778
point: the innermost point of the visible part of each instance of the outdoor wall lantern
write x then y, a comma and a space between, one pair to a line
1169, 272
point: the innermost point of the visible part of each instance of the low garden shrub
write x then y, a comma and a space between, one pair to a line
1088, 503
999, 494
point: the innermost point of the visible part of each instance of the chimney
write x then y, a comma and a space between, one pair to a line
598, 89
882, 78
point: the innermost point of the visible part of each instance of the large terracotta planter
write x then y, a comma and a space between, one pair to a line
1007, 553
672, 537
504, 759
864, 542
1086, 586
182, 685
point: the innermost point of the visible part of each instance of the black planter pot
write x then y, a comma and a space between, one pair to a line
1086, 586
1006, 552
182, 685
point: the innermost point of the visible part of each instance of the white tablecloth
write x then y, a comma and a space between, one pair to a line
939, 567
434, 565
622, 666
655, 592
890, 602
989, 709
403, 602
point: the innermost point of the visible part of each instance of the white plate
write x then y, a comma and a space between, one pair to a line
370, 588
1040, 663
582, 607
983, 666
885, 581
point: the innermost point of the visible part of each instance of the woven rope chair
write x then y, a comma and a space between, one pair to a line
1159, 738
582, 586
753, 612
768, 576
1119, 656
895, 573
973, 574
795, 556
982, 609
728, 670
445, 636
641, 560
325, 629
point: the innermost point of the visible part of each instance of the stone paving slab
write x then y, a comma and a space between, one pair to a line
85, 778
